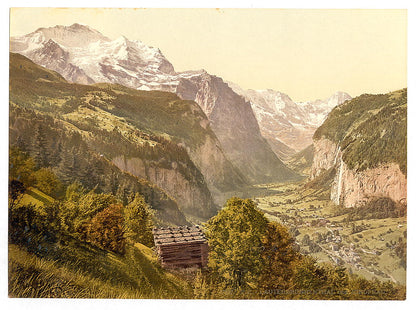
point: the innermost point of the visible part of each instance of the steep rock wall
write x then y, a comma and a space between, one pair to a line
352, 188
193, 198
325, 156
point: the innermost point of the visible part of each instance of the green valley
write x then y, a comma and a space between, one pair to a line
371, 247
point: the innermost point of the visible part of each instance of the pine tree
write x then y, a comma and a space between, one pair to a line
40, 148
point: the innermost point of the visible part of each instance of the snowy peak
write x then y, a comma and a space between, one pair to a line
283, 121
93, 57
338, 98
76, 35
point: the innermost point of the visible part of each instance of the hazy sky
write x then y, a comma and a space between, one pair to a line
307, 54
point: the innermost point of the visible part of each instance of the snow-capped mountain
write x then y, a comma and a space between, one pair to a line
287, 125
94, 57
83, 55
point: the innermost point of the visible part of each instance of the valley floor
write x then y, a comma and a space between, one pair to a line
366, 247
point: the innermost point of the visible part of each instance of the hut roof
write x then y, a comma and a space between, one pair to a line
178, 235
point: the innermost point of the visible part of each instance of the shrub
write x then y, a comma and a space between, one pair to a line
106, 229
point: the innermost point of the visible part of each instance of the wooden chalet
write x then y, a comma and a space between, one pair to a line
181, 247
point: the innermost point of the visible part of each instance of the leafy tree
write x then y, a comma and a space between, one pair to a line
32, 225
76, 214
47, 182
308, 276
74, 191
106, 229
21, 166
138, 221
279, 256
235, 239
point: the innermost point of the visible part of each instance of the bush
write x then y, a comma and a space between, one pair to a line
106, 229
47, 182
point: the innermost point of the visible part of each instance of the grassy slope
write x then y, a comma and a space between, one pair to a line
82, 271
155, 111
36, 197
74, 269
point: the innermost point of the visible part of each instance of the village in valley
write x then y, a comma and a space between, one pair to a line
322, 229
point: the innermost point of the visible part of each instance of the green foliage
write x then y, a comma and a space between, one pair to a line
34, 226
235, 241
76, 214
78, 270
78, 163
401, 252
283, 274
375, 208
16, 191
359, 288
106, 229
21, 166
74, 192
138, 221
47, 121
279, 256
47, 182
371, 130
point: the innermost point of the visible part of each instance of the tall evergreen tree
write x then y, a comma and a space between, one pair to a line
40, 149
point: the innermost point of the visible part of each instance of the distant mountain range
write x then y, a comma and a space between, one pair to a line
83, 55
241, 119
288, 126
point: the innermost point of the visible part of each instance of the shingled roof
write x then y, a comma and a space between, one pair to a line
178, 235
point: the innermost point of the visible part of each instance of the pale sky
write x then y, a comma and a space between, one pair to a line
307, 54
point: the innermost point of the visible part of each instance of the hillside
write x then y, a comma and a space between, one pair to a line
112, 138
365, 140
77, 270
301, 162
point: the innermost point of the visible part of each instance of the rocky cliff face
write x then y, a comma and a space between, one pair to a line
234, 123
351, 188
192, 198
325, 156
220, 174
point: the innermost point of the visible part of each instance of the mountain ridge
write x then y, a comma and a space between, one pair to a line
77, 120
365, 142
135, 65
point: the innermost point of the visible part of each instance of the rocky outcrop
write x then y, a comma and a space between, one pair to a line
234, 123
325, 155
351, 188
193, 198
220, 174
